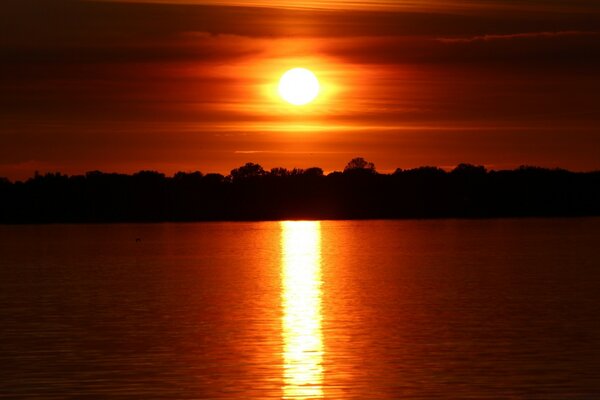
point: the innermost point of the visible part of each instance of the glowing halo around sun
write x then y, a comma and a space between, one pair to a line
299, 86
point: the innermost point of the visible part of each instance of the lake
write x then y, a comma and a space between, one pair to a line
332, 309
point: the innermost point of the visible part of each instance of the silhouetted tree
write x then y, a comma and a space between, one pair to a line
188, 176
279, 172
422, 171
249, 170
251, 193
313, 171
469, 169
359, 163
213, 178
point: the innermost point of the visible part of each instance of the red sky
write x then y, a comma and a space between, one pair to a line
189, 85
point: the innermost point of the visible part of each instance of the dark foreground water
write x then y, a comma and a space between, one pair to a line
336, 309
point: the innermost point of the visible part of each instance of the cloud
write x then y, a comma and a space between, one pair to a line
38, 23
393, 5
552, 50
513, 36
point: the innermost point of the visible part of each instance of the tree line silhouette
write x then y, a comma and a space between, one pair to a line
252, 193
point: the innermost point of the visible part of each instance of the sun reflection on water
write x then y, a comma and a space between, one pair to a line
301, 299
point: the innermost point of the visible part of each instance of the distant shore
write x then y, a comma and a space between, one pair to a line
251, 193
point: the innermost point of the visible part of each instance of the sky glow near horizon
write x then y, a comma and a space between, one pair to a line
113, 88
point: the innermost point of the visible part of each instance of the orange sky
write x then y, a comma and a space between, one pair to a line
116, 86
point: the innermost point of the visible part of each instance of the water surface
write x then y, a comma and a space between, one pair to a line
332, 309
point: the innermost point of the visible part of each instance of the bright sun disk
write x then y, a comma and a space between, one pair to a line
299, 86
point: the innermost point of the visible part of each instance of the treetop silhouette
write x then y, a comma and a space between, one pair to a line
251, 193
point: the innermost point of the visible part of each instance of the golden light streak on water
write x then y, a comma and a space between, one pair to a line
301, 300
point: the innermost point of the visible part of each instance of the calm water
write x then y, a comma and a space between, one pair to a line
336, 309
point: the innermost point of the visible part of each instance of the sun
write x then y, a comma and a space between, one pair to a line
299, 86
